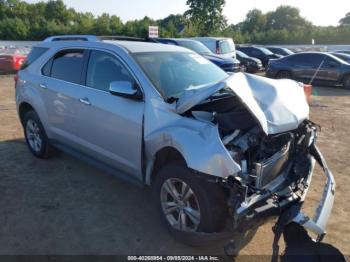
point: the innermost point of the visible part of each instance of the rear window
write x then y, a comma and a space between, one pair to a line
33, 55
68, 66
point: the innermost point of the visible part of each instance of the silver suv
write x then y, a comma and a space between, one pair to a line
218, 150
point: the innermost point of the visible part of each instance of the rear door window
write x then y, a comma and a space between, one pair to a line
33, 55
331, 63
313, 60
67, 65
104, 68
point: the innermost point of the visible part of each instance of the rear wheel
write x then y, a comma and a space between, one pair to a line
346, 82
284, 75
35, 136
188, 203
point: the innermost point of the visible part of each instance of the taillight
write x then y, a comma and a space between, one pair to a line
308, 92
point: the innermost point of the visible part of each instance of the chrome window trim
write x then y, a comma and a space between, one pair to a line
127, 67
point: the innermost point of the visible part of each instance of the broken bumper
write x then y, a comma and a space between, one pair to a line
318, 223
249, 214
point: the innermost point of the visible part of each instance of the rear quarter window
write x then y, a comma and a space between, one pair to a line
33, 56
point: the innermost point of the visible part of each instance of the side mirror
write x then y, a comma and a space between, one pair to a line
124, 89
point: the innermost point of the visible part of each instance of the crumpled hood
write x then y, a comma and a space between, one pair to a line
278, 105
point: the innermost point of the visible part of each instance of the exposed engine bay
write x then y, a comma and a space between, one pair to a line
263, 158
271, 142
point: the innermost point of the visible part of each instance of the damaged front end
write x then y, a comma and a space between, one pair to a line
264, 126
276, 175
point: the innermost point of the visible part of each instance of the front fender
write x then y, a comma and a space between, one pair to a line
201, 148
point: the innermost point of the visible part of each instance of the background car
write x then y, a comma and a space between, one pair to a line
323, 67
280, 50
259, 52
343, 56
11, 59
226, 63
219, 45
251, 64
343, 51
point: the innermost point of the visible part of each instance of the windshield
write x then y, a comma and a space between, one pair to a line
265, 51
194, 46
289, 52
227, 46
241, 54
174, 72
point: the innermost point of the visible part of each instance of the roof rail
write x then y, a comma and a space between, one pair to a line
93, 38
127, 38
90, 38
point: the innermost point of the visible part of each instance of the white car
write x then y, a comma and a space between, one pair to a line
216, 148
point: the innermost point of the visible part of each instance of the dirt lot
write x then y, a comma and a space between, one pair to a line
64, 206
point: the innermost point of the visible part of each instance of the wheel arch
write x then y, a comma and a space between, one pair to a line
163, 156
23, 108
343, 77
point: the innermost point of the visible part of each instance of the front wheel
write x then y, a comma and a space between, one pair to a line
346, 82
187, 202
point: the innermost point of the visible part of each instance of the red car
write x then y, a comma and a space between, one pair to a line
12, 59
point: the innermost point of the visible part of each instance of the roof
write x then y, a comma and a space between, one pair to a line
210, 38
89, 41
141, 47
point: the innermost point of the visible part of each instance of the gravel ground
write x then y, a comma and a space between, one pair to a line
65, 206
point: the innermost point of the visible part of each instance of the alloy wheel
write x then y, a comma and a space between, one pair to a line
33, 135
180, 205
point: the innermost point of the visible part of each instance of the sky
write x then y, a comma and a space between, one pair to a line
319, 12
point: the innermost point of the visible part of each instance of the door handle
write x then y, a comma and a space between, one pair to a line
43, 86
85, 101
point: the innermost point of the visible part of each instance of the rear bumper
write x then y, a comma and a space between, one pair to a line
7, 67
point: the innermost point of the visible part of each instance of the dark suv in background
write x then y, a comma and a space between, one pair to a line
228, 64
261, 53
322, 68
248, 63
280, 50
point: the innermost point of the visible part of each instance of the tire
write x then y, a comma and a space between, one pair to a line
284, 75
208, 199
346, 82
35, 136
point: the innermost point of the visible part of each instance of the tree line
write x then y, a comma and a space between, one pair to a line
20, 20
